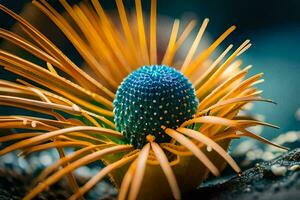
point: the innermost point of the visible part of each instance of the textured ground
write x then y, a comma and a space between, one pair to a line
13, 186
278, 179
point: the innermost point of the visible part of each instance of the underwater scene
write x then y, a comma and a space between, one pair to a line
152, 99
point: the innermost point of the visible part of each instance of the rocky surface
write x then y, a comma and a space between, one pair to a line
278, 179
14, 186
17, 173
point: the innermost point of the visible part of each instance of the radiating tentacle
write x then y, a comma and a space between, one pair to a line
139, 172
153, 34
211, 120
211, 82
30, 104
46, 78
178, 150
186, 32
126, 29
257, 137
168, 171
70, 177
49, 122
77, 41
110, 52
50, 48
26, 124
113, 37
211, 143
241, 87
227, 102
205, 76
222, 88
249, 123
17, 136
193, 148
70, 158
95, 179
167, 59
141, 32
55, 144
49, 135
194, 46
78, 163
206, 53
126, 182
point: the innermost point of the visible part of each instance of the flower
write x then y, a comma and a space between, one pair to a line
150, 120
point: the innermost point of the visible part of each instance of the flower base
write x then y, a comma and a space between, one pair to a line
189, 172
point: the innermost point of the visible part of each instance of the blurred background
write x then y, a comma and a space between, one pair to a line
272, 26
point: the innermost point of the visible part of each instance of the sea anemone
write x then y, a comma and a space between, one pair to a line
159, 124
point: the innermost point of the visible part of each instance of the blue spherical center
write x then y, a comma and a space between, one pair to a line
150, 97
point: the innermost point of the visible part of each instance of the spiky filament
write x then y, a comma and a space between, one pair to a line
164, 163
93, 181
194, 149
83, 161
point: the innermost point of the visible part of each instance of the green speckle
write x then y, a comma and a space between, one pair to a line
150, 97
